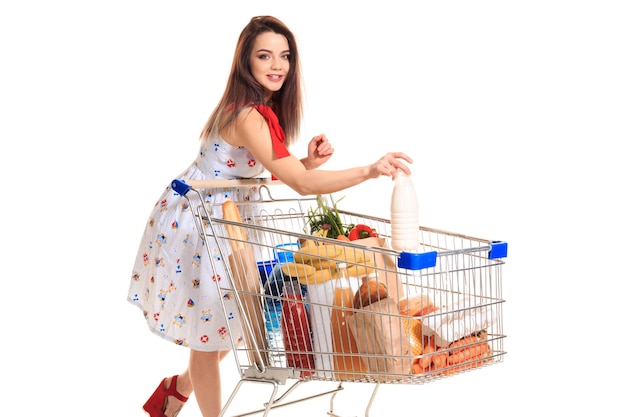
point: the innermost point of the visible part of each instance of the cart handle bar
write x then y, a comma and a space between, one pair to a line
182, 187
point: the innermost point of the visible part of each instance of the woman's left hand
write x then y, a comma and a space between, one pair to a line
319, 152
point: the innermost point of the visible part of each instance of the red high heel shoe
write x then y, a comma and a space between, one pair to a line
156, 403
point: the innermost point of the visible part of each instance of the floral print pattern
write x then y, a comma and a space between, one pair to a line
173, 281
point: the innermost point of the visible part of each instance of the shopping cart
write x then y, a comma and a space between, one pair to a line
352, 311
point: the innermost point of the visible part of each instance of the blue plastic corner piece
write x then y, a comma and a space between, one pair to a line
498, 250
416, 261
181, 187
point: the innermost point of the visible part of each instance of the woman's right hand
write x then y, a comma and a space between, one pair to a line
389, 165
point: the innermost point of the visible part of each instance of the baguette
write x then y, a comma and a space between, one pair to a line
237, 234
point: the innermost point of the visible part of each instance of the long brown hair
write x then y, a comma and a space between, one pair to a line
243, 90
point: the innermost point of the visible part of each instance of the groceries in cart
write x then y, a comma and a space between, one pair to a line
449, 349
338, 303
354, 321
379, 332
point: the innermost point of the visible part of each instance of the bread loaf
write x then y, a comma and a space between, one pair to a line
368, 293
415, 305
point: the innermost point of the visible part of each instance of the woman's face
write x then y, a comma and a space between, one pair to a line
269, 61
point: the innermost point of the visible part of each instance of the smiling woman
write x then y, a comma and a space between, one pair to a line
248, 133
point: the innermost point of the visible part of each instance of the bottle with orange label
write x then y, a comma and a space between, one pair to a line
346, 364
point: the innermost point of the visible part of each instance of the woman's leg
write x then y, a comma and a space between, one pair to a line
204, 374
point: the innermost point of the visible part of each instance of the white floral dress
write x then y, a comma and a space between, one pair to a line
173, 282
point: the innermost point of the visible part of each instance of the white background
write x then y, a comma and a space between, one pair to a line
514, 114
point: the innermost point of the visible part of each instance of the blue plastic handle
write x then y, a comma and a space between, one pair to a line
181, 187
417, 261
498, 250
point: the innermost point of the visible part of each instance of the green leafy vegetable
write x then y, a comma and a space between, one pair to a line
325, 221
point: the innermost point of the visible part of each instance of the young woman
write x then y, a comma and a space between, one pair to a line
250, 131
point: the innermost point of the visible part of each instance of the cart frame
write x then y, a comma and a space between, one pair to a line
463, 274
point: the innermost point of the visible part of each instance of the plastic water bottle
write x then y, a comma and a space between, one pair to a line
405, 233
273, 326
273, 312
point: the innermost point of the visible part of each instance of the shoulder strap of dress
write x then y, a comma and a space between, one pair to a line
276, 131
